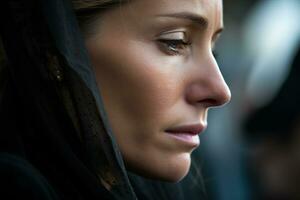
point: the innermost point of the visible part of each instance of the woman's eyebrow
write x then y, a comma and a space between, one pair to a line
195, 18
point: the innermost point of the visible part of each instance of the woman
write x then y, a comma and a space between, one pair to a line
152, 63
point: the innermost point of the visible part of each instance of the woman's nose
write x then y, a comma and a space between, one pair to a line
208, 87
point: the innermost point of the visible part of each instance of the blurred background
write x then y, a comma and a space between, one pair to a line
251, 150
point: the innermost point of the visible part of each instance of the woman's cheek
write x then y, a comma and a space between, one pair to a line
144, 79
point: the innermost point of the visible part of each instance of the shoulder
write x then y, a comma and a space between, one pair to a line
19, 179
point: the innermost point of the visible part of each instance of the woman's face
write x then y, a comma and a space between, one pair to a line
157, 75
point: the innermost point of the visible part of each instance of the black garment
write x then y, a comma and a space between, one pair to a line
55, 135
20, 179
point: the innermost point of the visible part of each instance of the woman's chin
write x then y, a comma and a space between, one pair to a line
169, 170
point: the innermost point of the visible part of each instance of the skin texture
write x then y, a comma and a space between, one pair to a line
149, 85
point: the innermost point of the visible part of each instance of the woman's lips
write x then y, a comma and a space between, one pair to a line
188, 134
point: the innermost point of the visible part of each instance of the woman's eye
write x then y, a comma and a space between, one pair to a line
174, 47
174, 43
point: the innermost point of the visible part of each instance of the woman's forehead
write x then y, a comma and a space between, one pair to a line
200, 5
211, 10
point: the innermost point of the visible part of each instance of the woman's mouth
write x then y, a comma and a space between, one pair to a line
188, 134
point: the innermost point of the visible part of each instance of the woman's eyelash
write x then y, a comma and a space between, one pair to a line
178, 46
175, 46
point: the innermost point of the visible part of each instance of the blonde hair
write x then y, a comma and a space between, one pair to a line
92, 4
88, 11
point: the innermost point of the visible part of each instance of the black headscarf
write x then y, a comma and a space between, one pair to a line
55, 134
